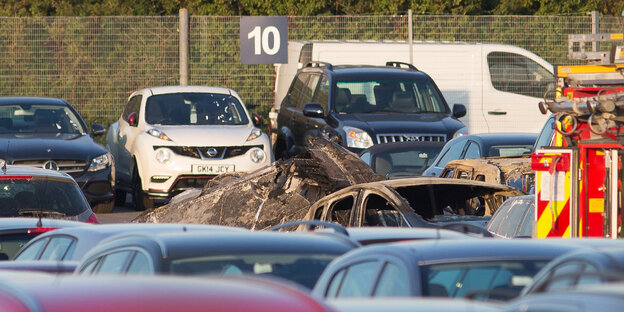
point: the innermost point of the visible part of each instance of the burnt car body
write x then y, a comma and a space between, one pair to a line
513, 170
49, 133
440, 268
298, 258
411, 202
401, 159
482, 145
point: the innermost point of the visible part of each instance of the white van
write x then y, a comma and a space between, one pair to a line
500, 85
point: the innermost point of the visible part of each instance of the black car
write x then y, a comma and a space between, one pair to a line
364, 105
482, 145
401, 159
438, 268
49, 133
299, 258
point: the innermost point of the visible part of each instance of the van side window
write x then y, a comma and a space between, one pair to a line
510, 72
322, 93
296, 90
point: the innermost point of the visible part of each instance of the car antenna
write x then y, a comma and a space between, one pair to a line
39, 223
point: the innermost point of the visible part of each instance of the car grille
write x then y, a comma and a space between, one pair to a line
74, 168
404, 137
210, 152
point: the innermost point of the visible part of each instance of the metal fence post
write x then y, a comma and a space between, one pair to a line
595, 16
410, 33
184, 47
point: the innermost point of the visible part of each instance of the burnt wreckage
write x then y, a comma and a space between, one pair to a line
287, 189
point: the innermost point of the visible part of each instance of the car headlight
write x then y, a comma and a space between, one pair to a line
158, 134
257, 155
460, 132
100, 162
163, 155
358, 138
255, 133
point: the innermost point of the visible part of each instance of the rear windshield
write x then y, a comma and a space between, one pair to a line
501, 278
509, 150
195, 109
49, 198
10, 244
303, 269
388, 96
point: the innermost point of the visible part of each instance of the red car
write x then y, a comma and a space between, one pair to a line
154, 294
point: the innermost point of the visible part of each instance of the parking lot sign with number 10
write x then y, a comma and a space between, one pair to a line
264, 40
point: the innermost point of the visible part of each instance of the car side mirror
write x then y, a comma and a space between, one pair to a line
459, 110
97, 129
257, 120
132, 119
314, 110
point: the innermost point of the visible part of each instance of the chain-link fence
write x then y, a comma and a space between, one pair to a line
96, 62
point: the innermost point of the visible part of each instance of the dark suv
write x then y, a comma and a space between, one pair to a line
364, 105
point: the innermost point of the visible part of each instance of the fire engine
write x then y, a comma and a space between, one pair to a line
578, 181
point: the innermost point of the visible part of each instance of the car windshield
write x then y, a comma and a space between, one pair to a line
405, 163
47, 198
194, 109
502, 279
388, 96
509, 150
303, 269
16, 119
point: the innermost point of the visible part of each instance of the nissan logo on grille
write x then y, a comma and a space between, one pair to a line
212, 152
51, 165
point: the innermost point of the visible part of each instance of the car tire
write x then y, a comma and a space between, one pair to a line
120, 198
104, 207
140, 199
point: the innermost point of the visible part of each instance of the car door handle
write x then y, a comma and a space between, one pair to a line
497, 113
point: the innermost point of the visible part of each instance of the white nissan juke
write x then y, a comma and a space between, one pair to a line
169, 139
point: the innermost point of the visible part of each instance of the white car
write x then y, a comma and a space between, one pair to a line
169, 139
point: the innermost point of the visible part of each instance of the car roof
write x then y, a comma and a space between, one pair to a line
89, 236
161, 293
190, 89
489, 139
363, 72
32, 101
400, 146
15, 170
11, 223
414, 304
180, 245
452, 250
372, 234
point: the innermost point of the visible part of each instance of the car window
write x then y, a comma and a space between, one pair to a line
515, 73
310, 87
564, 276
393, 282
322, 93
133, 106
366, 157
57, 248
454, 152
526, 229
190, 109
295, 95
545, 137
467, 278
10, 244
509, 150
473, 150
359, 279
88, 269
512, 220
590, 275
31, 197
341, 210
140, 264
114, 263
33, 250
378, 211
334, 284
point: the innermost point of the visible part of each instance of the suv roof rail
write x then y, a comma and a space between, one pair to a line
319, 64
398, 64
